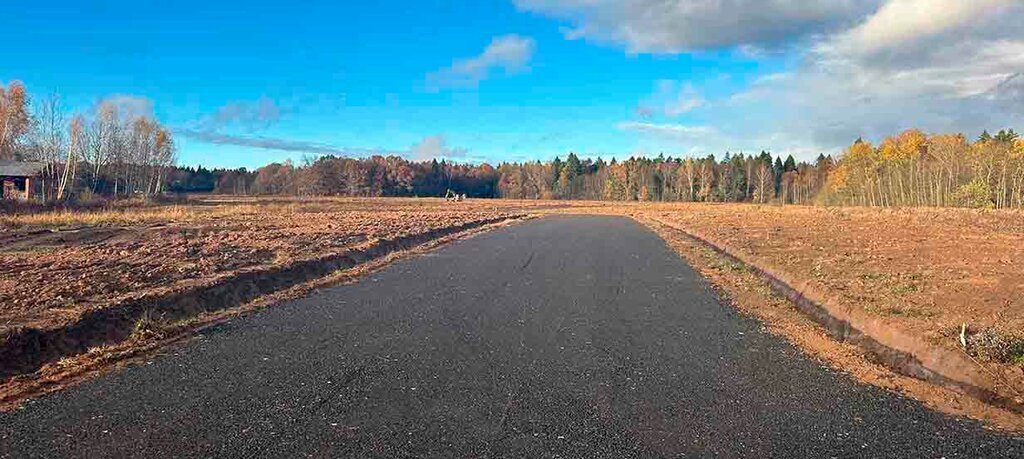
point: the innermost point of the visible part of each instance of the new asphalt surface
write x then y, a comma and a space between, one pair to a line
559, 337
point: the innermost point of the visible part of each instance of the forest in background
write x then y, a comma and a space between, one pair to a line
908, 169
117, 153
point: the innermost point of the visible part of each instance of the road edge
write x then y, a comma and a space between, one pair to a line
901, 364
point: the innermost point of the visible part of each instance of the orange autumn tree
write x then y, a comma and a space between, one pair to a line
15, 119
914, 169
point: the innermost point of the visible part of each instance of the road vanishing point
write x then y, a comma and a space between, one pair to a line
573, 337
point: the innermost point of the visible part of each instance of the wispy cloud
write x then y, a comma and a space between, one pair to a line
430, 147
128, 105
271, 143
671, 130
509, 53
252, 117
249, 115
671, 99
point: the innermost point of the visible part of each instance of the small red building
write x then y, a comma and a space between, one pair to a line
17, 177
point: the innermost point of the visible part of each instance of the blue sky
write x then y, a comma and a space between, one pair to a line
247, 83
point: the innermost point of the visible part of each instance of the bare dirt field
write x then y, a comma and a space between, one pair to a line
926, 271
55, 266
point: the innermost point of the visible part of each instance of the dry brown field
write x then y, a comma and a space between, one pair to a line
54, 266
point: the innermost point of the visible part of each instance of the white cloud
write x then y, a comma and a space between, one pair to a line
509, 53
433, 147
902, 23
669, 26
938, 65
668, 130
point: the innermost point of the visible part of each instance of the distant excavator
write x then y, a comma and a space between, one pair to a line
453, 196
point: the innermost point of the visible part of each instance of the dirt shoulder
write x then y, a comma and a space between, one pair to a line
749, 292
924, 273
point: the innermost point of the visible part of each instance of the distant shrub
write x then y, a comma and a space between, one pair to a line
975, 194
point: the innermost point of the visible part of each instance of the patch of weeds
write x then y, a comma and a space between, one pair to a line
721, 263
149, 326
898, 285
901, 289
872, 276
708, 254
896, 311
766, 291
66, 362
818, 271
101, 352
994, 346
737, 267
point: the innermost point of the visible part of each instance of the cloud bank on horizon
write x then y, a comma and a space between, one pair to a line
866, 67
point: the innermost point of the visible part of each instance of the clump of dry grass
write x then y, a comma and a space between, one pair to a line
993, 346
104, 217
149, 326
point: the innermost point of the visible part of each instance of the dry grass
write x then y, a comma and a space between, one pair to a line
66, 218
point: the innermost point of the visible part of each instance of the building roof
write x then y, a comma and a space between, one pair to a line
20, 168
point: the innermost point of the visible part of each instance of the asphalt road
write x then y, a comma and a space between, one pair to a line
561, 337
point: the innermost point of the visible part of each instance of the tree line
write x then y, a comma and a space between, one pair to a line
111, 151
908, 169
760, 178
376, 176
